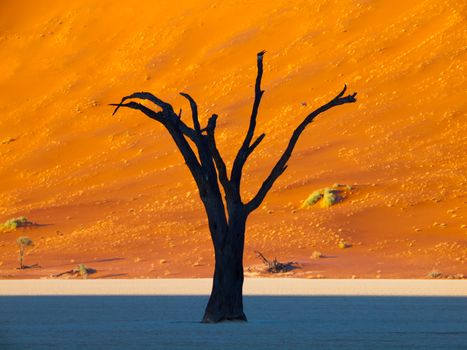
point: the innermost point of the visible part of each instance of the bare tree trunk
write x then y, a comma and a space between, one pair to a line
21, 257
226, 300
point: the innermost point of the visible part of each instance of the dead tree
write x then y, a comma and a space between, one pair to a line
275, 266
227, 214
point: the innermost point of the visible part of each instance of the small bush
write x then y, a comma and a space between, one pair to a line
316, 255
328, 196
344, 245
313, 198
13, 224
8, 140
83, 271
434, 274
23, 243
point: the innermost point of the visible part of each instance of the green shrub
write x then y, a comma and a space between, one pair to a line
13, 224
83, 270
328, 196
313, 198
331, 196
344, 245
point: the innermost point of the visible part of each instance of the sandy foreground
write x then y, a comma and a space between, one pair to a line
257, 286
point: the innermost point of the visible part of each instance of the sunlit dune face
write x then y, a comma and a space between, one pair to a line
113, 192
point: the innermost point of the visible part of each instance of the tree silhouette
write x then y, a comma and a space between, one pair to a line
226, 217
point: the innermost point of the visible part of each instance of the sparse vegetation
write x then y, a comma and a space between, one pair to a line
435, 274
316, 255
82, 271
328, 196
13, 224
344, 245
8, 140
23, 243
313, 198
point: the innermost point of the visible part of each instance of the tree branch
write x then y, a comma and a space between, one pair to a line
159, 116
256, 143
281, 164
175, 126
220, 164
169, 114
204, 169
194, 112
144, 96
207, 149
243, 152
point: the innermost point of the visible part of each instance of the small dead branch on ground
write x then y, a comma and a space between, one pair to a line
81, 271
275, 266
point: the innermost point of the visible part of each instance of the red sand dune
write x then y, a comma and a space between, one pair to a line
114, 193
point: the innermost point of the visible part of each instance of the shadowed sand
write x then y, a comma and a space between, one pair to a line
283, 314
275, 322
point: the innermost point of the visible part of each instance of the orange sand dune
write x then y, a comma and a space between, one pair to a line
113, 192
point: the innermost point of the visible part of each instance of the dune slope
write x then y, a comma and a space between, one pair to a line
114, 193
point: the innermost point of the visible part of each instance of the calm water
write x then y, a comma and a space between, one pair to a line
171, 322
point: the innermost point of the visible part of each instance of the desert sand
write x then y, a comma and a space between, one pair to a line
113, 193
252, 286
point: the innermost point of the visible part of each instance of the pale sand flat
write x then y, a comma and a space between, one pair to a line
252, 286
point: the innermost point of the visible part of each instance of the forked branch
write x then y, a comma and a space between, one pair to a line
281, 164
144, 96
194, 112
